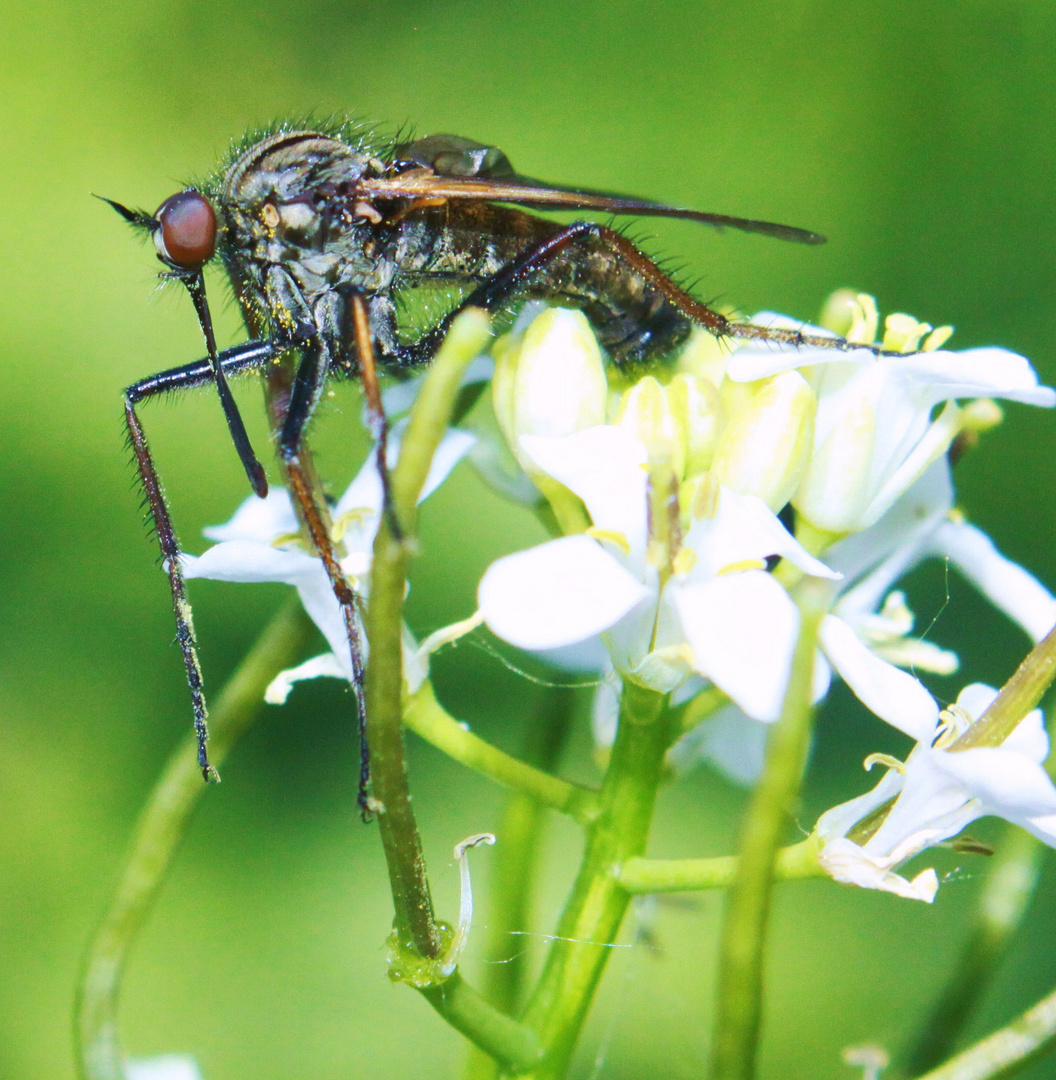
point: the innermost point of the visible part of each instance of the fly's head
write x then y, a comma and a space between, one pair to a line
286, 209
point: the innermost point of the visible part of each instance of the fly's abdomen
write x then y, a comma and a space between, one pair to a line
633, 319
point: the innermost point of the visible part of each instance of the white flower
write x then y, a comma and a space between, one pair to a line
549, 379
921, 525
262, 543
713, 609
936, 793
874, 434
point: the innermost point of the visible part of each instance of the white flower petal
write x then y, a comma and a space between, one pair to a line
326, 665
910, 464
745, 528
893, 695
1044, 828
258, 519
742, 629
844, 861
1007, 783
1029, 736
247, 560
932, 807
840, 819
731, 740
556, 594
976, 698
974, 373
605, 467
1004, 583
322, 607
364, 493
887, 549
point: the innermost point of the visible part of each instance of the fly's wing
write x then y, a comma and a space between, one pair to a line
451, 167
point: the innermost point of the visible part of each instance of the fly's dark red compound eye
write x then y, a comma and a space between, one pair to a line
186, 232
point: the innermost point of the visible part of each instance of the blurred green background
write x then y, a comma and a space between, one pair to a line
920, 137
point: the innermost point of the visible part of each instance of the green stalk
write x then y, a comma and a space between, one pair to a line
416, 930
427, 718
739, 1011
595, 910
647, 876
513, 1046
999, 911
1018, 696
162, 825
1007, 1050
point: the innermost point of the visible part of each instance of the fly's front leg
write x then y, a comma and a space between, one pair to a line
307, 389
519, 272
246, 357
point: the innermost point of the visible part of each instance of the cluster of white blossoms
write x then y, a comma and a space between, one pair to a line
674, 570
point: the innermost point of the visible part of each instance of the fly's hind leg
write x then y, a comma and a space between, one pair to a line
518, 273
246, 357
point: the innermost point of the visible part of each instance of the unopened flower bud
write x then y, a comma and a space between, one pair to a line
550, 380
837, 485
706, 356
765, 446
645, 412
838, 313
697, 409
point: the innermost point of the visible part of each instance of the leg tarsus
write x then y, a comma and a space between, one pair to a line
170, 553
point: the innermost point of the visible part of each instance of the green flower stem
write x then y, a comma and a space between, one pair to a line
1018, 696
743, 939
415, 924
432, 411
513, 869
514, 1046
646, 876
1008, 1050
426, 717
999, 910
162, 825
700, 708
592, 917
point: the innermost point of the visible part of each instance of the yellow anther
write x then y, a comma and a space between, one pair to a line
902, 333
954, 721
982, 414
865, 320
684, 561
740, 567
340, 525
886, 760
612, 537
937, 338
956, 515
292, 539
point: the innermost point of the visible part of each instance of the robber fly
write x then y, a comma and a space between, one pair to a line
323, 231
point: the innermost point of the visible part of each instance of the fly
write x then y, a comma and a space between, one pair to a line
322, 232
